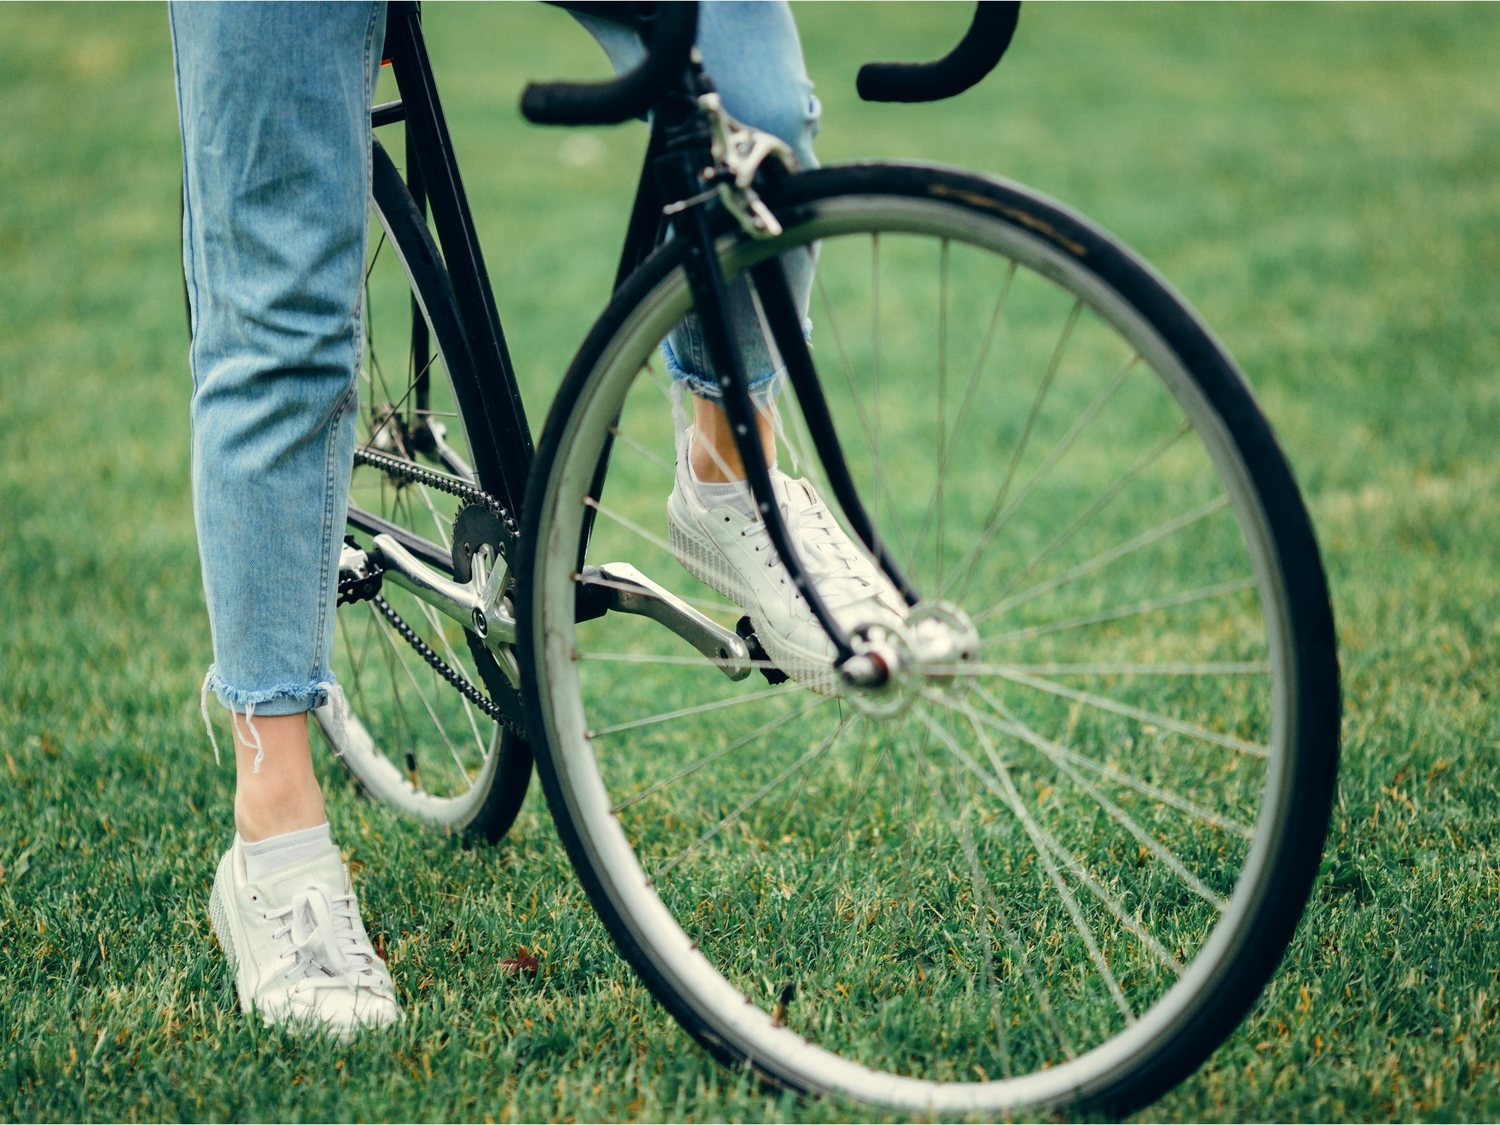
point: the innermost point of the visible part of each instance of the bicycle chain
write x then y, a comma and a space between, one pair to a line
368, 587
441, 666
395, 466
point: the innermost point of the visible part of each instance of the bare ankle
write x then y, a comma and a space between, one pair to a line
276, 790
254, 821
713, 455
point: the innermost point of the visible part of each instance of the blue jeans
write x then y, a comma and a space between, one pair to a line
753, 54
274, 104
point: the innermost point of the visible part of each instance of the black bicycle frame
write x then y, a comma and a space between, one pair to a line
502, 462
677, 153
683, 128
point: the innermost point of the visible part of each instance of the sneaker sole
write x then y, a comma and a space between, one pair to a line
219, 917
704, 562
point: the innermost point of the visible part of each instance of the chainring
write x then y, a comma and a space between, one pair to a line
481, 524
479, 529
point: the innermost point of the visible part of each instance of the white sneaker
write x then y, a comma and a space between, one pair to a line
297, 947
732, 553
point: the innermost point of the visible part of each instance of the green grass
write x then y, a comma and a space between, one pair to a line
1320, 181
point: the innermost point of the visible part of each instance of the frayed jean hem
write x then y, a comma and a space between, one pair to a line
762, 386
284, 699
243, 706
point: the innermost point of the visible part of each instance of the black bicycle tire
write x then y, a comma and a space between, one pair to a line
493, 816
1308, 784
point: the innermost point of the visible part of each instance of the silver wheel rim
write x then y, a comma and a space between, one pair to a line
593, 811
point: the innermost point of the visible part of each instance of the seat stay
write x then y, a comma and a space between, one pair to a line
503, 459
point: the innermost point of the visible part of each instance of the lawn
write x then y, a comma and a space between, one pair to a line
1321, 181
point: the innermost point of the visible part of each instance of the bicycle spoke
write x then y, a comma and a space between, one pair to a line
649, 454
1005, 789
1230, 668
356, 660
869, 421
1056, 453
448, 654
1054, 456
942, 401
1013, 939
1024, 733
374, 257
1138, 714
982, 898
760, 795
951, 441
392, 658
442, 524
395, 409
1130, 781
680, 661
661, 383
629, 524
1187, 597
437, 725
989, 529
697, 709
822, 866
1149, 458
800, 445
1100, 561
744, 740
728, 474
1080, 872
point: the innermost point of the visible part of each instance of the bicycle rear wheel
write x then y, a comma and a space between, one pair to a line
412, 740
1056, 874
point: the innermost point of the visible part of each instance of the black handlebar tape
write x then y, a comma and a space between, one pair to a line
976, 55
669, 40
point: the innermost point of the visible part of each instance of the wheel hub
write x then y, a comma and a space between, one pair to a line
935, 647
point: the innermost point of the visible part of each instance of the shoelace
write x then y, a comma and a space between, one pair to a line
831, 559
326, 937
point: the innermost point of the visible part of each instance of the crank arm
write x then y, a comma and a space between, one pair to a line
460, 601
625, 589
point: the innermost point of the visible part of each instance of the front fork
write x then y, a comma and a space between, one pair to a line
681, 178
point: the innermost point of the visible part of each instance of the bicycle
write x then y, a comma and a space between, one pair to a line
1039, 847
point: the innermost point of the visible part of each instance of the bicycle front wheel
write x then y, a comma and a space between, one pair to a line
1057, 872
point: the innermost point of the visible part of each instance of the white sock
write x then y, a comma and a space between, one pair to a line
268, 856
731, 493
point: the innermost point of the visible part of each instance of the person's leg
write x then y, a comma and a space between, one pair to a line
713, 456
282, 793
274, 102
754, 56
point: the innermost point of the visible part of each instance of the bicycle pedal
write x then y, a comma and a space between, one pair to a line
746, 631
